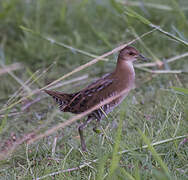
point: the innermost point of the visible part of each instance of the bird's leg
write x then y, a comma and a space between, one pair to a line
80, 130
99, 114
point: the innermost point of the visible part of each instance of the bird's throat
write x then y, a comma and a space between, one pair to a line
125, 72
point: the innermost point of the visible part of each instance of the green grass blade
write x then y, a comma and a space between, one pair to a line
181, 14
115, 155
100, 36
155, 154
53, 41
3, 122
117, 6
134, 14
126, 174
101, 167
181, 90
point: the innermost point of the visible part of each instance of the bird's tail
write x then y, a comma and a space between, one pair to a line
61, 98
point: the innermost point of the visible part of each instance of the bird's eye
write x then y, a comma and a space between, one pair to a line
131, 53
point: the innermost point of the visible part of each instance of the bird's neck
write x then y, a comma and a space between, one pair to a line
125, 72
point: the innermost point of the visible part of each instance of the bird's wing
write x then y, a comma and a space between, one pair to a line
89, 96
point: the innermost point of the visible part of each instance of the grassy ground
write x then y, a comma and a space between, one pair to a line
40, 41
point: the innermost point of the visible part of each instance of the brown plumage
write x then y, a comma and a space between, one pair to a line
122, 78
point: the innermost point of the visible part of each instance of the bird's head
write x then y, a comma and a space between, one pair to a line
129, 53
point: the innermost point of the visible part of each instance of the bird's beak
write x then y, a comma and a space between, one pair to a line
143, 57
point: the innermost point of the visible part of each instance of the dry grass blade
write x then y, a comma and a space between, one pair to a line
149, 5
11, 67
54, 146
161, 71
177, 57
20, 90
10, 114
67, 170
153, 64
80, 78
155, 144
27, 105
32, 79
18, 80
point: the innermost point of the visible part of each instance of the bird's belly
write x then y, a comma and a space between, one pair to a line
116, 102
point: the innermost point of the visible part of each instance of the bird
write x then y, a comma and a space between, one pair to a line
122, 78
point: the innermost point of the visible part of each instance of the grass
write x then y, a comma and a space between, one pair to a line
60, 43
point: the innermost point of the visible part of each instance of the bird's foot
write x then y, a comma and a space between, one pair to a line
97, 130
